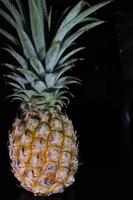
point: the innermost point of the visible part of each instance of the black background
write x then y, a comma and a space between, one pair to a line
100, 110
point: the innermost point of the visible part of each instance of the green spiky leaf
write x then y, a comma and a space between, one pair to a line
37, 29
66, 80
22, 11
40, 9
29, 75
13, 11
66, 57
78, 19
45, 11
18, 57
40, 79
18, 79
27, 45
15, 97
50, 19
9, 66
67, 63
15, 85
72, 14
65, 69
66, 26
9, 37
38, 86
8, 18
37, 66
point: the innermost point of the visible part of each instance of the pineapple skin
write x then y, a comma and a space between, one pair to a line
43, 151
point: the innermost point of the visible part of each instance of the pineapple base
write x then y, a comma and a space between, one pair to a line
43, 151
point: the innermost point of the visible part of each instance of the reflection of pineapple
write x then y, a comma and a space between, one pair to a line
43, 147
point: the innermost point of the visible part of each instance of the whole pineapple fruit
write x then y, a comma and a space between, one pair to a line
42, 143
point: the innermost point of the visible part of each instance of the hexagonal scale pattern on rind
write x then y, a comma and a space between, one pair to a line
43, 152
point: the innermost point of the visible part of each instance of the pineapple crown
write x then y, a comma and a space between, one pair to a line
39, 78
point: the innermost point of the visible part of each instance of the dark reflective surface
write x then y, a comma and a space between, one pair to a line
70, 194
25, 195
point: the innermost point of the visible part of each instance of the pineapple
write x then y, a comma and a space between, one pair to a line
43, 143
